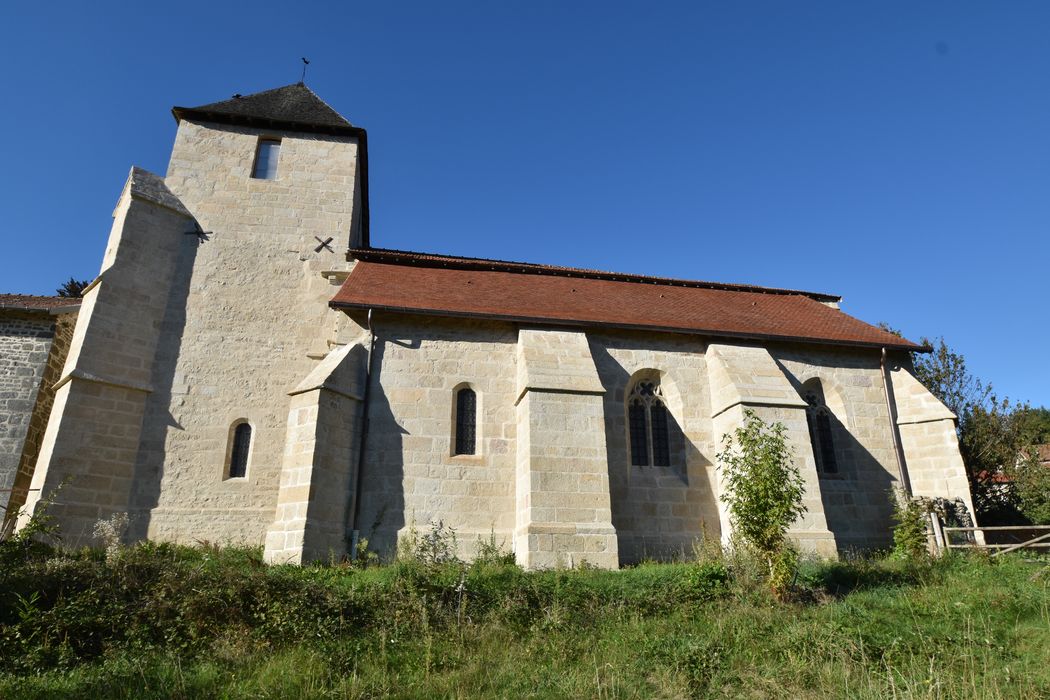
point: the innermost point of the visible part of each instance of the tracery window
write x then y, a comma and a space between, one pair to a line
466, 421
818, 418
242, 442
647, 425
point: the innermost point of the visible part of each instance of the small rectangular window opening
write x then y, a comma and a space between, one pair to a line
242, 440
266, 159
466, 421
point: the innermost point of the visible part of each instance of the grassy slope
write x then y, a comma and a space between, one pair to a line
165, 621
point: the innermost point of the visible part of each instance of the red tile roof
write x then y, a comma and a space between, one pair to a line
28, 302
472, 287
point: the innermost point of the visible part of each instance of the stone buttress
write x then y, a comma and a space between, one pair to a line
746, 377
564, 515
320, 461
93, 434
928, 439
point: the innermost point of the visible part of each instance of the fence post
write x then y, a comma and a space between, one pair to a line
940, 544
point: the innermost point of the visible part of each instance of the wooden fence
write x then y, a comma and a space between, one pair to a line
998, 540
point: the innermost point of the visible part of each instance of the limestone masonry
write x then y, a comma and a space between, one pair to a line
247, 368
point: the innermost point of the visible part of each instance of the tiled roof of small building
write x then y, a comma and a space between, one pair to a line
28, 302
472, 287
294, 107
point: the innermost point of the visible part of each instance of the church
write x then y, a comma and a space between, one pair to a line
247, 367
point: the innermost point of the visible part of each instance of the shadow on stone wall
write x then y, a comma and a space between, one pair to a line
150, 461
381, 503
858, 499
655, 510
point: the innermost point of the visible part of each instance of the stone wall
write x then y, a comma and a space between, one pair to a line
412, 479
659, 512
25, 341
410, 476
45, 399
246, 322
857, 500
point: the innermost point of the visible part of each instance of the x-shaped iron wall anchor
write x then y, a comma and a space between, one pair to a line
324, 245
200, 234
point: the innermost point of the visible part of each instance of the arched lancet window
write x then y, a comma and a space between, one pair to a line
242, 442
818, 417
466, 421
647, 425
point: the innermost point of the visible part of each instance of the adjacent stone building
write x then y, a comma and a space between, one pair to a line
34, 339
249, 368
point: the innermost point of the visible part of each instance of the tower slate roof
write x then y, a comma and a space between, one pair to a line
295, 107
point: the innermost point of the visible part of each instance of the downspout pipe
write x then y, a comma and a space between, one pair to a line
355, 532
891, 409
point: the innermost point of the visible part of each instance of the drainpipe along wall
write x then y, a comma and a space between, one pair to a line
352, 519
891, 409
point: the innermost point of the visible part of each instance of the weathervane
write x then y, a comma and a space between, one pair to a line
305, 64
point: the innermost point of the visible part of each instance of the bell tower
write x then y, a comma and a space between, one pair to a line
283, 155
210, 309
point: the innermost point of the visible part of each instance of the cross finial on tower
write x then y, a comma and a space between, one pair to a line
302, 80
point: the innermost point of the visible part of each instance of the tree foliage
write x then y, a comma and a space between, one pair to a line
945, 374
72, 288
764, 492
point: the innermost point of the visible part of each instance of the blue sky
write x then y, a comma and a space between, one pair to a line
897, 153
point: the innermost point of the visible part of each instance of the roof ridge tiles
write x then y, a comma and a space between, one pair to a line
470, 263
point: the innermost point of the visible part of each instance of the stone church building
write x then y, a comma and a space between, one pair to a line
248, 368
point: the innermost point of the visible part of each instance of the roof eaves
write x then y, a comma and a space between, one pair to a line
574, 323
73, 305
195, 114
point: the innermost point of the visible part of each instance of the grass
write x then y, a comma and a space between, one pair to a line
165, 621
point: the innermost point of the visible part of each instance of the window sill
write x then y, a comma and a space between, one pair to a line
467, 458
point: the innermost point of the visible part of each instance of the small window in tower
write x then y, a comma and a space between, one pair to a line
466, 421
266, 159
242, 442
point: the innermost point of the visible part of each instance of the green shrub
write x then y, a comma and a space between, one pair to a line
61, 609
909, 529
764, 492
